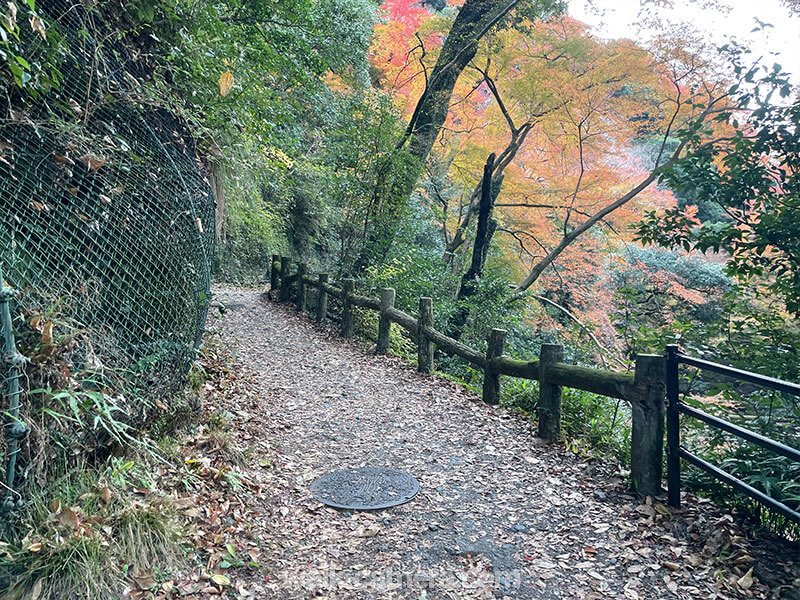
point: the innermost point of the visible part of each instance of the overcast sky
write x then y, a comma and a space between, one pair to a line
618, 19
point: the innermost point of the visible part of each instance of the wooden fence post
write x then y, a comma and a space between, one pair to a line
491, 380
647, 429
549, 409
301, 287
425, 345
274, 275
385, 325
348, 287
285, 293
322, 298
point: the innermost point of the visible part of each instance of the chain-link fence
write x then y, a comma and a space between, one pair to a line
105, 211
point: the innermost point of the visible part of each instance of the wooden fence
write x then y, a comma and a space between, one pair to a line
644, 390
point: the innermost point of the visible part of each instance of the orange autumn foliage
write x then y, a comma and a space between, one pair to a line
597, 110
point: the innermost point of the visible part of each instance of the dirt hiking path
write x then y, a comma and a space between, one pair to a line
499, 514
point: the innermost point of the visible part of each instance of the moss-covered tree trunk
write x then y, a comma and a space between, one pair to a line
473, 21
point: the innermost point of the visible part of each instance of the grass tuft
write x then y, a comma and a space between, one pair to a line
90, 534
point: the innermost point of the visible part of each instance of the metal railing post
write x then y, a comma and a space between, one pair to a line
14, 428
673, 429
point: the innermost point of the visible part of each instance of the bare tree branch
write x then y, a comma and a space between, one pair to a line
585, 329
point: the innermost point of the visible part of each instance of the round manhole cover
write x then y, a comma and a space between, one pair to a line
365, 488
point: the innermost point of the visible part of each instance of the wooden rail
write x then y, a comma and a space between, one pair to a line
644, 390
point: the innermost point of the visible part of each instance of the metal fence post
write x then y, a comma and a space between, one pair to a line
14, 429
673, 429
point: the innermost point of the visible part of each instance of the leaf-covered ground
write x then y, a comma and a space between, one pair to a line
499, 514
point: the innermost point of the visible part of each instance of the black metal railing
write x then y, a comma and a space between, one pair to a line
676, 452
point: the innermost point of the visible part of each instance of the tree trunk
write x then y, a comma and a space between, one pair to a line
457, 52
473, 21
480, 249
506, 156
216, 177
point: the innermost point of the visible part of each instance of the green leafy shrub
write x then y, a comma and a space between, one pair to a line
601, 422
31, 48
522, 394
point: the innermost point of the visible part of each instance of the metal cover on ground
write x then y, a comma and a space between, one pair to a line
365, 488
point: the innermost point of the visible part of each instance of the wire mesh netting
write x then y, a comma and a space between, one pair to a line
104, 202
106, 229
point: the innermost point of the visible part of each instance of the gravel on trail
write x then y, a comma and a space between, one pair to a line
499, 514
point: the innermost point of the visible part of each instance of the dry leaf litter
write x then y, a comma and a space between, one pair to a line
500, 514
